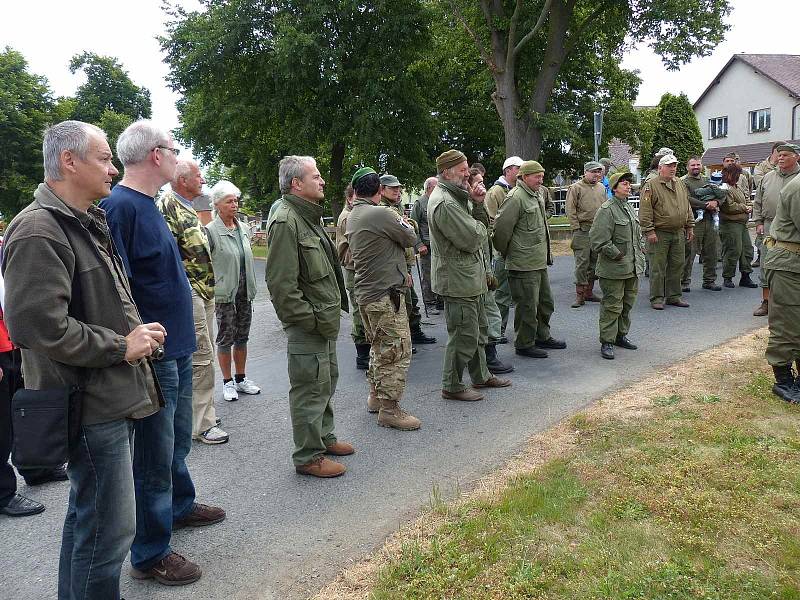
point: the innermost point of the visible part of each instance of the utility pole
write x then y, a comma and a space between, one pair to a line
598, 132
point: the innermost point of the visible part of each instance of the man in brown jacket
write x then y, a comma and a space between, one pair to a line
584, 197
668, 223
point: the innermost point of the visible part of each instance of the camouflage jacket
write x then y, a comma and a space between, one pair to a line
192, 243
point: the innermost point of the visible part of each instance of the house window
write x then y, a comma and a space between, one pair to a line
717, 127
759, 120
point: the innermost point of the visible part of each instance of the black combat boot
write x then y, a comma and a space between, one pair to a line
493, 363
607, 350
362, 356
419, 337
785, 386
746, 282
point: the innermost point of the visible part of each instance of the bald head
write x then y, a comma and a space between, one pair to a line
430, 183
188, 181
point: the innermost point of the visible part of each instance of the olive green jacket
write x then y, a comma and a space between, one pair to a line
225, 259
303, 274
457, 242
520, 230
786, 228
617, 239
733, 207
768, 192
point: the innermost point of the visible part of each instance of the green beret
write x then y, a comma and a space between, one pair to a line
360, 173
616, 177
530, 167
448, 159
592, 165
390, 181
788, 148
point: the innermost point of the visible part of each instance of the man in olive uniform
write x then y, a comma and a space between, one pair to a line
782, 266
653, 171
584, 197
459, 275
668, 223
390, 196
346, 260
419, 214
706, 236
617, 238
766, 203
378, 237
521, 236
495, 198
765, 166
307, 288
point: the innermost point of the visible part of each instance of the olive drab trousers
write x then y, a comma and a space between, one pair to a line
706, 244
534, 306
502, 294
737, 248
466, 337
357, 331
784, 317
585, 257
619, 296
667, 259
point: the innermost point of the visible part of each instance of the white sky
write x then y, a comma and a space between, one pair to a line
48, 33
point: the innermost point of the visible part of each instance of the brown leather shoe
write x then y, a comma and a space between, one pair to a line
321, 467
340, 449
463, 396
492, 382
762, 310
201, 515
173, 569
679, 304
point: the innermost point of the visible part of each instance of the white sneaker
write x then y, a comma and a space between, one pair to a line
215, 435
229, 391
246, 386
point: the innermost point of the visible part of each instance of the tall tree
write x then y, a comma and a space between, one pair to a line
676, 128
25, 105
330, 79
525, 46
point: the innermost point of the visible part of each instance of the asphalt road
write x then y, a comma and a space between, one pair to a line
287, 534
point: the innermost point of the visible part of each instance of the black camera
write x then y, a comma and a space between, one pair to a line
158, 353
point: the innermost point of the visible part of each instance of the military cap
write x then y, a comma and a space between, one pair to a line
448, 159
530, 167
389, 181
360, 173
592, 165
669, 159
788, 148
512, 161
664, 151
619, 175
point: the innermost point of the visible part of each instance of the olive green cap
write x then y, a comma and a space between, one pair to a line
360, 173
530, 167
448, 159
592, 165
389, 181
616, 177
789, 148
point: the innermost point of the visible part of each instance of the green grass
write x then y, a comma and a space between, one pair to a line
259, 251
557, 220
700, 499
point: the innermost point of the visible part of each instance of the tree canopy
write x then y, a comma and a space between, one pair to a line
675, 128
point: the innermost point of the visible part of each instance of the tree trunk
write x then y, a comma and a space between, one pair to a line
334, 183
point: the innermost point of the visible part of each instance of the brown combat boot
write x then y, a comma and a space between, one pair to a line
763, 309
321, 467
578, 296
373, 405
463, 396
338, 448
391, 415
492, 382
588, 293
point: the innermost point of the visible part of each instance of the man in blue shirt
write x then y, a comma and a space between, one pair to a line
165, 494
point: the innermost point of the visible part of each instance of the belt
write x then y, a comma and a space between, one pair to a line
771, 242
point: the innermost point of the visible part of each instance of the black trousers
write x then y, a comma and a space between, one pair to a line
11, 363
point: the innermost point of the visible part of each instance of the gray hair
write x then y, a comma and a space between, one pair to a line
70, 136
431, 182
184, 167
138, 140
223, 189
290, 167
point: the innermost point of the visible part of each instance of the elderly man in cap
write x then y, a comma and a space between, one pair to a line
584, 197
617, 238
766, 203
459, 275
390, 196
419, 214
495, 198
378, 237
521, 236
668, 223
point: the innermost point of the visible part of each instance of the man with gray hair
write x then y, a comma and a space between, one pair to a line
419, 213
190, 235
307, 288
165, 494
79, 326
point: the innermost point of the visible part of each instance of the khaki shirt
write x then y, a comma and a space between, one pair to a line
785, 229
767, 194
664, 204
762, 169
583, 200
495, 198
342, 246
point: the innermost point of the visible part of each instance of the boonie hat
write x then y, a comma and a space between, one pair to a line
664, 151
616, 177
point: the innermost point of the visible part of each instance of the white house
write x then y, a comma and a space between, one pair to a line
751, 103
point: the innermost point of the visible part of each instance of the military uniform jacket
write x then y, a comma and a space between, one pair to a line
342, 245
583, 200
520, 230
768, 192
733, 207
762, 169
786, 228
457, 241
664, 204
692, 184
496, 196
617, 238
303, 276
419, 212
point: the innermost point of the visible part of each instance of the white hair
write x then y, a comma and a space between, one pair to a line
70, 136
138, 140
184, 167
290, 167
431, 182
223, 189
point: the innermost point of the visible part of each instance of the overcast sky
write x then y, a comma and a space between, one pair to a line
48, 33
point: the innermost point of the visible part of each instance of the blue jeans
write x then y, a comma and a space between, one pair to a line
164, 488
101, 515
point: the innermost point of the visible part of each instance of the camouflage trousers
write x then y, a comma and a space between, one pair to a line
390, 352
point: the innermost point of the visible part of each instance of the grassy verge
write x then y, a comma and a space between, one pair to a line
686, 485
259, 251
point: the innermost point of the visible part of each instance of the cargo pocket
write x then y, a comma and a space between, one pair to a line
314, 260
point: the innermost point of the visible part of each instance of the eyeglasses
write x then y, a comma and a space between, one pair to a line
175, 151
